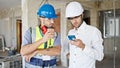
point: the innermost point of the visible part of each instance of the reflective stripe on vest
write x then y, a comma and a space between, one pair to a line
39, 35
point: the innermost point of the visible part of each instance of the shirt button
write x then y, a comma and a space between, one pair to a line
75, 54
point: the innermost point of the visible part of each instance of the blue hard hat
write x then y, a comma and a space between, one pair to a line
47, 11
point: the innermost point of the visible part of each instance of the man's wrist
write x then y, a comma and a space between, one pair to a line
36, 52
42, 41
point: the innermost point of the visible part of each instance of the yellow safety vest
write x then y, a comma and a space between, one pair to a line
39, 35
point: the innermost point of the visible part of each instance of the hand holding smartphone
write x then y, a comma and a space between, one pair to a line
44, 29
71, 37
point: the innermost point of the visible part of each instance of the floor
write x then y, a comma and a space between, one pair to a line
106, 63
61, 67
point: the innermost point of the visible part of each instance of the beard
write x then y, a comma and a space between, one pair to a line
76, 27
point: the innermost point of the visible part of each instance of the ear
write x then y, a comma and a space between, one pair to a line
82, 15
41, 19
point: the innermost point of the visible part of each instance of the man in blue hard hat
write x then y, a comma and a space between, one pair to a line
41, 45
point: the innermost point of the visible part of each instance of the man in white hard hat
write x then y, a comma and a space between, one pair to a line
86, 47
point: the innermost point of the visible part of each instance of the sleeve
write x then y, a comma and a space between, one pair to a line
27, 39
96, 51
57, 40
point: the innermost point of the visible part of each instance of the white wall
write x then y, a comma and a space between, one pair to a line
8, 25
5, 30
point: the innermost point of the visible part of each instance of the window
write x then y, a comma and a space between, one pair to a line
111, 27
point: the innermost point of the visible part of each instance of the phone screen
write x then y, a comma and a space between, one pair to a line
71, 37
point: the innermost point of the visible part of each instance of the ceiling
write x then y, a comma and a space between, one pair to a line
13, 3
9, 3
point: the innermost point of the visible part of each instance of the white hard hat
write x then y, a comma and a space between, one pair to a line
74, 9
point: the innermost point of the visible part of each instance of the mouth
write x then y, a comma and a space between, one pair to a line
75, 23
50, 26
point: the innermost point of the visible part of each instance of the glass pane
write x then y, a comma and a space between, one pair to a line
117, 39
110, 26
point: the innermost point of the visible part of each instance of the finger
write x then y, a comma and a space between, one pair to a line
29, 59
76, 40
47, 32
26, 59
51, 31
72, 42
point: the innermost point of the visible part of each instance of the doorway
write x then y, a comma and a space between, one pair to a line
110, 22
19, 34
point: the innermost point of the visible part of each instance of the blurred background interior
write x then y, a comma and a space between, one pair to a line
16, 16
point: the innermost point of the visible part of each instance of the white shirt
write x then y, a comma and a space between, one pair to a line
93, 50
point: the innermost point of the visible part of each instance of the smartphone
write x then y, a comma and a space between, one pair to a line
44, 29
71, 37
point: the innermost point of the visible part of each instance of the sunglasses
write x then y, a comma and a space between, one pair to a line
71, 18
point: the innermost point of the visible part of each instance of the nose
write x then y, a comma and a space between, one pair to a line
73, 20
51, 21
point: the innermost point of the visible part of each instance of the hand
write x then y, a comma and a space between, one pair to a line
68, 55
49, 34
29, 56
78, 43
